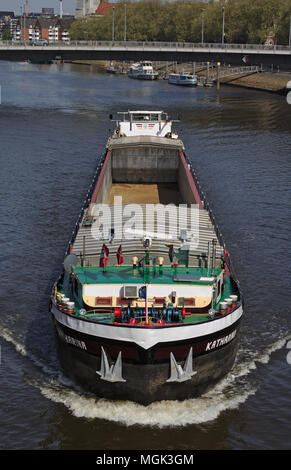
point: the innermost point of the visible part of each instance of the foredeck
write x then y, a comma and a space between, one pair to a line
163, 279
152, 275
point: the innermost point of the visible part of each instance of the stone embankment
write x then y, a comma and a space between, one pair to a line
273, 82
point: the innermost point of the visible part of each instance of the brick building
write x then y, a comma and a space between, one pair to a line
53, 29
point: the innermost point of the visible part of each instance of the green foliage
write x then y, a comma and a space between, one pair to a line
7, 36
246, 21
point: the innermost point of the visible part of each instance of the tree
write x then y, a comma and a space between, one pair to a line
246, 21
7, 36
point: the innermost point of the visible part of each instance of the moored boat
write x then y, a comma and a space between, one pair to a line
111, 68
143, 71
183, 79
116, 70
147, 307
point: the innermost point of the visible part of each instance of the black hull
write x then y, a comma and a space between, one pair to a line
145, 377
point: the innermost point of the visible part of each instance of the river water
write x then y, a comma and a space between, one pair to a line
53, 127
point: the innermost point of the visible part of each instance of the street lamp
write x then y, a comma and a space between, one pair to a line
222, 39
202, 28
112, 23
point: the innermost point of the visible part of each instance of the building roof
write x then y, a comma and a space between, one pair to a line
41, 22
46, 23
103, 8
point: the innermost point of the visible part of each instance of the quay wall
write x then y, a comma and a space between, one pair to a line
275, 82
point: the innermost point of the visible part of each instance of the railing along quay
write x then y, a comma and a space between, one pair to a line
229, 71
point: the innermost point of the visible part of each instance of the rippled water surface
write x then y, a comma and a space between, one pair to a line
53, 127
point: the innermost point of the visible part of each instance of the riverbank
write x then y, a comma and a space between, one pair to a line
265, 81
273, 82
93, 64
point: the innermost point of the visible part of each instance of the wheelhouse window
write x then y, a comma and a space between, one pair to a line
145, 117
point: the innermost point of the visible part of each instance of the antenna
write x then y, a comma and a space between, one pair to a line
61, 9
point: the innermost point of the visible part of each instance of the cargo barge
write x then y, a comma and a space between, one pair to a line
146, 307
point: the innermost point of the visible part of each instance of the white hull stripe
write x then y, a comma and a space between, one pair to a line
147, 337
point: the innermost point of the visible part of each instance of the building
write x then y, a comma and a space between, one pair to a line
103, 7
53, 29
85, 7
47, 11
17, 30
6, 22
63, 25
5, 15
270, 40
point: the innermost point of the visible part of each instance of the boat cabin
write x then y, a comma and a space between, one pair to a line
143, 123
